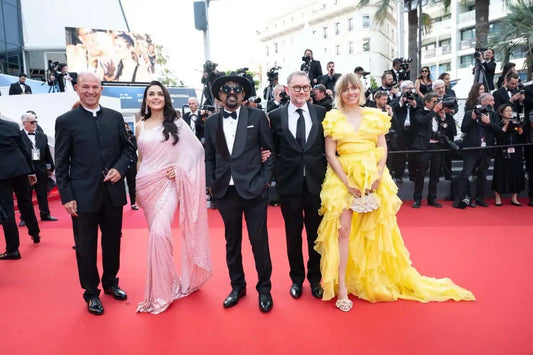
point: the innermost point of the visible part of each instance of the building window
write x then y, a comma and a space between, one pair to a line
324, 32
366, 21
338, 49
445, 67
350, 47
276, 48
366, 44
337, 28
468, 34
466, 61
350, 24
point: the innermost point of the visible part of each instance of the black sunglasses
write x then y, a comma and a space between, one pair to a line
226, 89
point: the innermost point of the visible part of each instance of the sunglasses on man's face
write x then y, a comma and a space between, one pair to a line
226, 89
32, 122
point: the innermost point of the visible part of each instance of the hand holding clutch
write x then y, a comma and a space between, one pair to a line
365, 203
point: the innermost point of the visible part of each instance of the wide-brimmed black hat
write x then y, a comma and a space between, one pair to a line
217, 84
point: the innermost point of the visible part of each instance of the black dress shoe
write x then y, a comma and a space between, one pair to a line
416, 204
296, 290
316, 290
116, 292
265, 302
530, 202
94, 305
134, 207
434, 204
48, 218
36, 239
22, 224
481, 203
498, 204
398, 180
11, 255
472, 204
233, 297
517, 204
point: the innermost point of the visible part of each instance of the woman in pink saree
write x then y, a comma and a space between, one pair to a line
171, 173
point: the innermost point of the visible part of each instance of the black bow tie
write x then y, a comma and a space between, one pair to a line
230, 114
31, 134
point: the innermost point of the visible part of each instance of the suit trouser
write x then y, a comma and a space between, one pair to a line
131, 173
109, 219
298, 210
231, 208
41, 190
528, 155
471, 160
23, 190
434, 160
11, 232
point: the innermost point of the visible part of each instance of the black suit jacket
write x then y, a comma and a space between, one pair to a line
15, 89
61, 83
329, 82
291, 158
490, 68
315, 70
475, 129
399, 117
424, 128
501, 97
41, 143
199, 124
15, 158
271, 105
250, 175
84, 147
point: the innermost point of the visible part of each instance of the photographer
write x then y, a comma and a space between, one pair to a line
510, 94
254, 102
480, 128
273, 77
195, 119
528, 133
400, 69
395, 71
429, 121
320, 97
329, 79
280, 98
446, 78
311, 67
66, 80
208, 77
484, 68
389, 85
404, 108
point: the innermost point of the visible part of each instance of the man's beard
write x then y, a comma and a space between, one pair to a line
230, 104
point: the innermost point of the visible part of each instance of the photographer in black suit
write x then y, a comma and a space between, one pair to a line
509, 93
311, 67
300, 167
43, 163
238, 181
16, 174
330, 78
92, 155
321, 97
194, 119
20, 87
280, 98
66, 80
480, 127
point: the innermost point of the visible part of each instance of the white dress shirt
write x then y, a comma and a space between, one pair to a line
294, 116
230, 130
31, 137
193, 117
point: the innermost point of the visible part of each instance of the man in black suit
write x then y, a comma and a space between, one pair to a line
16, 174
311, 67
92, 155
194, 119
389, 86
276, 102
20, 87
330, 78
427, 125
238, 181
480, 129
37, 144
449, 92
300, 167
66, 80
509, 94
131, 173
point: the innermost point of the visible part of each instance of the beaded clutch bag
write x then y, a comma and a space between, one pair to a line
365, 203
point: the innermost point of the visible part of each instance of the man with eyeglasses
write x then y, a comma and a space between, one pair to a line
37, 143
299, 169
238, 180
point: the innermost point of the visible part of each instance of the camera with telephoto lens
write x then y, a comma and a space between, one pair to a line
410, 94
210, 67
481, 110
365, 73
515, 124
441, 137
273, 73
284, 98
448, 102
521, 88
255, 99
404, 73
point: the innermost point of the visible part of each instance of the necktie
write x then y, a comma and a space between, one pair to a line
31, 134
230, 114
300, 128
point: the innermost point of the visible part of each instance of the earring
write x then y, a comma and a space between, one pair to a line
146, 110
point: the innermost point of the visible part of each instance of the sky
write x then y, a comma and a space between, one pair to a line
233, 25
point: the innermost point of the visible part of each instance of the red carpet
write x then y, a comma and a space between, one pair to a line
487, 250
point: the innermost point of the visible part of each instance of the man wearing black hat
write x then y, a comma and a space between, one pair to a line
238, 181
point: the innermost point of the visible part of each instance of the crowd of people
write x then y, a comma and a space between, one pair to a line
331, 163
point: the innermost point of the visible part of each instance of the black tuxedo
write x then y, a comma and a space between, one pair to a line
329, 82
86, 146
199, 124
315, 70
299, 194
402, 138
489, 68
41, 187
502, 97
248, 195
272, 105
61, 82
15, 166
15, 89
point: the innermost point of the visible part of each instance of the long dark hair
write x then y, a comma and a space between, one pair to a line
420, 74
473, 95
169, 113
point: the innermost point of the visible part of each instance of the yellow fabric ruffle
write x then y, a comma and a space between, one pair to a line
379, 267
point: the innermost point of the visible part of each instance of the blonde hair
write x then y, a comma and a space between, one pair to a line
342, 84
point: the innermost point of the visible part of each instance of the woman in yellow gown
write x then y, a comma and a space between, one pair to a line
363, 253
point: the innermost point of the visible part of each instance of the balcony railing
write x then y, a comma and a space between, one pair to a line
468, 43
430, 53
466, 16
445, 49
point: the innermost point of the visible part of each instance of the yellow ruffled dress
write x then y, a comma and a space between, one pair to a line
378, 268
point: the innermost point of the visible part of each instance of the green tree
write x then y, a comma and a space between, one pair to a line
515, 32
166, 75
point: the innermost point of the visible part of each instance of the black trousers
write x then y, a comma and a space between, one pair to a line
41, 190
434, 161
473, 159
528, 156
11, 232
109, 219
298, 210
232, 207
396, 162
131, 173
23, 191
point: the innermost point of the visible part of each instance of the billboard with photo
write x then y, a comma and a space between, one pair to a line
111, 55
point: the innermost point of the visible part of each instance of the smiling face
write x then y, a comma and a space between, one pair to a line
299, 90
231, 100
89, 90
350, 95
155, 98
